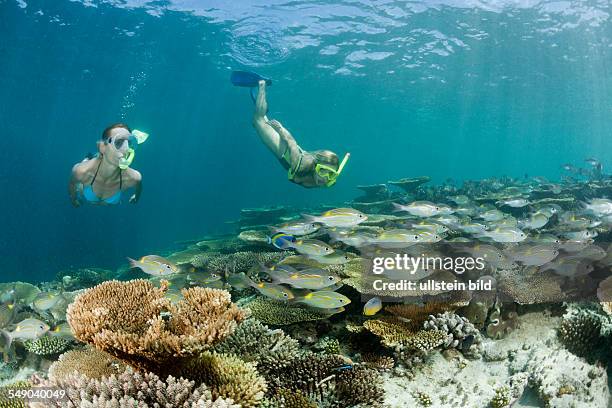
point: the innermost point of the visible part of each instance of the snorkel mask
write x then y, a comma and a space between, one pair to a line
136, 137
330, 174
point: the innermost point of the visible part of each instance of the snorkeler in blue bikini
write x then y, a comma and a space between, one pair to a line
102, 179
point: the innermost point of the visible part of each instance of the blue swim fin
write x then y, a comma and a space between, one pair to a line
248, 79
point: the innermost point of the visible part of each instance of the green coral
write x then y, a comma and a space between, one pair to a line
5, 397
423, 399
278, 313
328, 345
47, 345
502, 397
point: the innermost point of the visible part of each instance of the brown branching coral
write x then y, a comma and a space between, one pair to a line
133, 389
397, 333
135, 322
227, 377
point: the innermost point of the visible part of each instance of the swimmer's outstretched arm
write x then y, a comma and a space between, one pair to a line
272, 133
75, 179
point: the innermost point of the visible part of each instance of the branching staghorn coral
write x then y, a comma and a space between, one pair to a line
132, 389
135, 322
253, 341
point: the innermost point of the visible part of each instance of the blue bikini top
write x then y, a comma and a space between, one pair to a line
91, 196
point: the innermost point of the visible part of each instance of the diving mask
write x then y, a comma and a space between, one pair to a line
330, 174
128, 146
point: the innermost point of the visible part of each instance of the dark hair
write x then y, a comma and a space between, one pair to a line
107, 132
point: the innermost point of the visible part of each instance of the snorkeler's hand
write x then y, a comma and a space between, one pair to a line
75, 202
133, 199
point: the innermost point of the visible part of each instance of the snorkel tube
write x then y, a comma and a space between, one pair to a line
332, 174
128, 158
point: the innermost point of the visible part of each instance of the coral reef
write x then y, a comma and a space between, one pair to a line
581, 330
461, 334
6, 398
227, 377
327, 345
89, 362
562, 379
47, 345
401, 335
498, 327
544, 287
378, 361
242, 261
330, 381
278, 313
135, 322
133, 389
253, 341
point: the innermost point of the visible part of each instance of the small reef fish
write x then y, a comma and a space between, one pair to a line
281, 240
418, 208
349, 237
339, 217
46, 300
297, 228
492, 215
599, 206
311, 247
27, 329
533, 255
427, 226
337, 258
202, 278
271, 290
324, 299
536, 220
472, 227
580, 235
569, 267
305, 279
514, 202
505, 235
372, 306
7, 314
397, 238
460, 199
154, 265
62, 330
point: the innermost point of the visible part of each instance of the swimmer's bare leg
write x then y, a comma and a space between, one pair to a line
267, 133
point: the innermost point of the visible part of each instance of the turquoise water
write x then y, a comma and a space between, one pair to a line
449, 89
